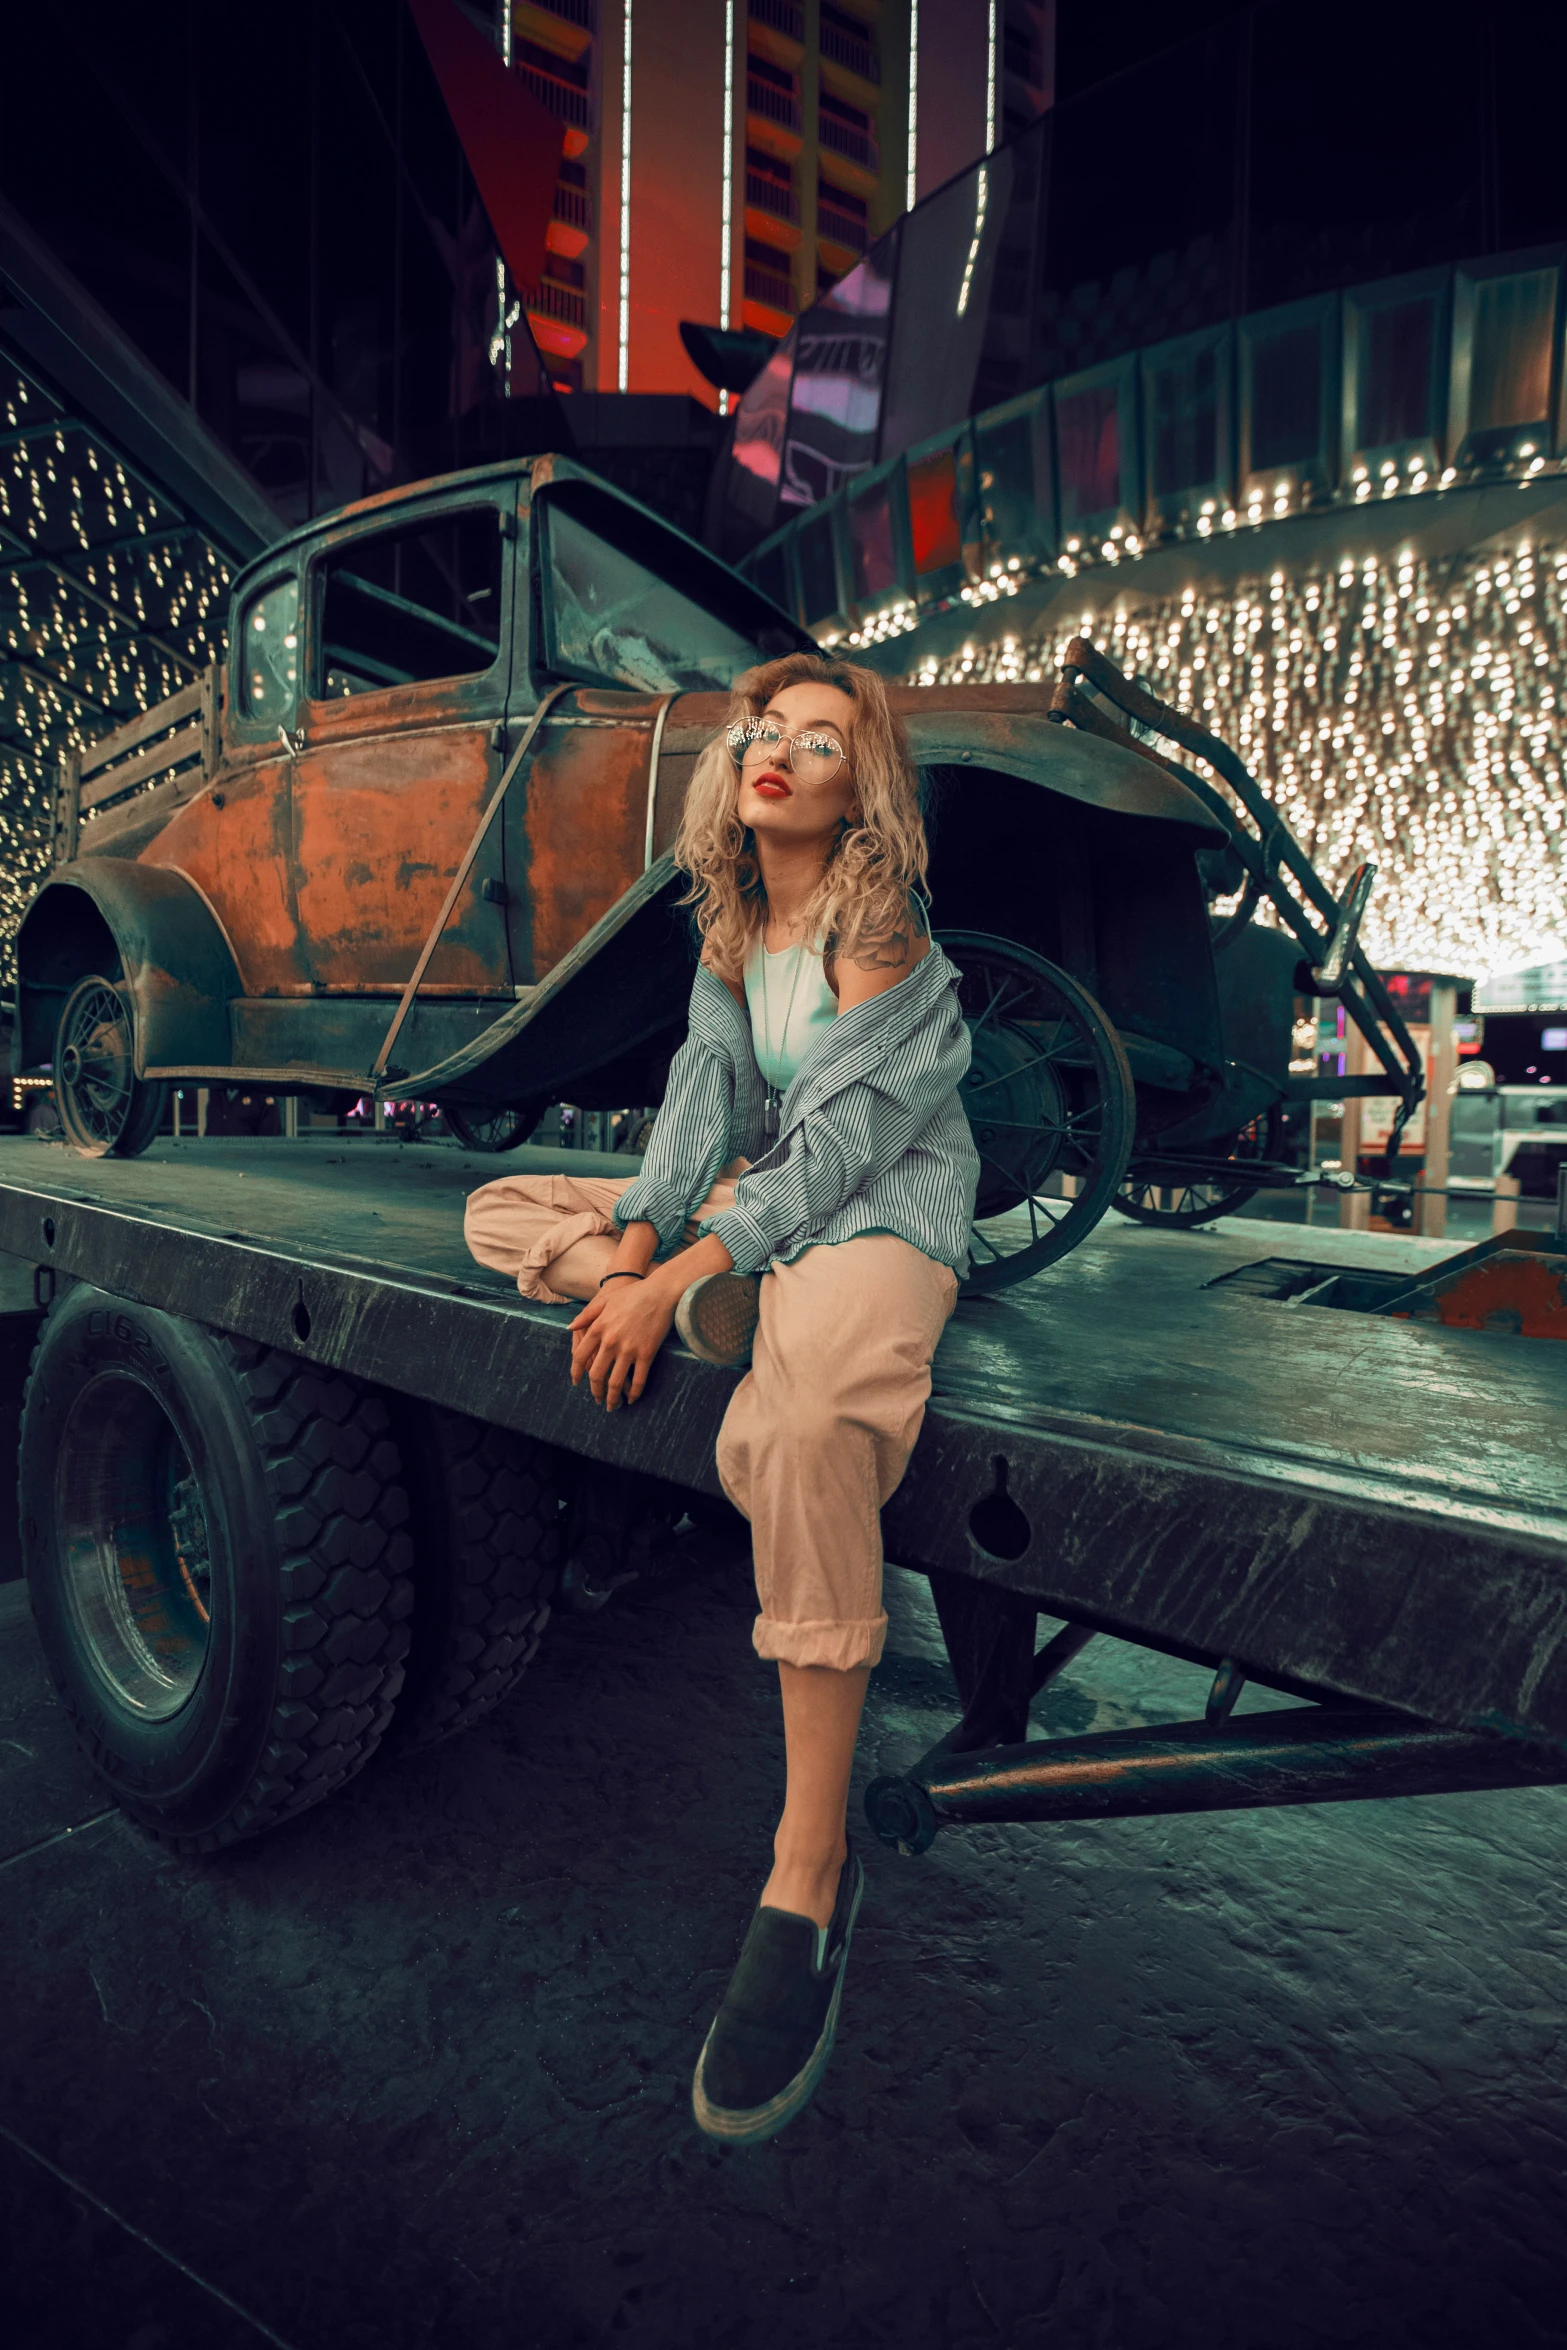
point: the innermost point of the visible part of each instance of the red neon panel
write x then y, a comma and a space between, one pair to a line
933, 513
512, 142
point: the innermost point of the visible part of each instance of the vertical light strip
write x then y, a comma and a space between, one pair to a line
726, 229
990, 85
981, 201
914, 97
624, 381
499, 355
500, 341
982, 184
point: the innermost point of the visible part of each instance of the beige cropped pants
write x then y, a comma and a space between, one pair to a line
819, 1431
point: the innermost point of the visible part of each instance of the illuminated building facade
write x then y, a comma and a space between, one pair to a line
1320, 510
729, 161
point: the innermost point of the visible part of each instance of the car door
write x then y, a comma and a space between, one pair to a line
234, 840
403, 741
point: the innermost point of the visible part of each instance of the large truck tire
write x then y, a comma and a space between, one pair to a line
219, 1563
487, 1541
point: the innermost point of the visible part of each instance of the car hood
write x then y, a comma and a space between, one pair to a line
1007, 729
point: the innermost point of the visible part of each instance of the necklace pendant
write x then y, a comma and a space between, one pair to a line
770, 1109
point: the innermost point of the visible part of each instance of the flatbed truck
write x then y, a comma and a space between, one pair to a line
299, 1479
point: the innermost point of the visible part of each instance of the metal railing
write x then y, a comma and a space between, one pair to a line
853, 55
564, 303
765, 285
772, 105
580, 12
771, 196
561, 99
181, 732
785, 16
842, 227
1277, 868
853, 145
573, 207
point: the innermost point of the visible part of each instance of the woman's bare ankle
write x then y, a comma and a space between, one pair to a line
804, 1879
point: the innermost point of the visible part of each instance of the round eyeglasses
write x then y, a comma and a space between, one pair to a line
815, 758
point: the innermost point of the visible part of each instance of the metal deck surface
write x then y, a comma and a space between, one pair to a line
1373, 1507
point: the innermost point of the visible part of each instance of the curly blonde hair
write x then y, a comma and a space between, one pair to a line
879, 859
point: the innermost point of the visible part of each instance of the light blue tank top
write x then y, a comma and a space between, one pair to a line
790, 1004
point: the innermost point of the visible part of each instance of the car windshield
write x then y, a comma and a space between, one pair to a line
614, 619
403, 607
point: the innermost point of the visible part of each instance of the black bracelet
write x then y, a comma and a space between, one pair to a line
625, 1275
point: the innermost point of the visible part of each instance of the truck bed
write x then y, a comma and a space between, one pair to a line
1366, 1507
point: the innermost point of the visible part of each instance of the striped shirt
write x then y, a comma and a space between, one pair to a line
872, 1136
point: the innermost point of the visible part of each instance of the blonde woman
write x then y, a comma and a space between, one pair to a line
804, 1199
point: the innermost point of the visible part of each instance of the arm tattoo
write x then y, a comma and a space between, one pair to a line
887, 953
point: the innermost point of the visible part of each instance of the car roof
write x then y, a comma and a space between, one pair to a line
403, 493
551, 469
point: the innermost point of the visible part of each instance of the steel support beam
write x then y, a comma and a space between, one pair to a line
1306, 1754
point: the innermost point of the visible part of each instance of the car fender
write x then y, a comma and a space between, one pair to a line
1023, 741
173, 955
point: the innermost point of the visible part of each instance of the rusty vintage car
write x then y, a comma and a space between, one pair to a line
412, 837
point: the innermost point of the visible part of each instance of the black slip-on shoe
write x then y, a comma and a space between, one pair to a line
771, 2038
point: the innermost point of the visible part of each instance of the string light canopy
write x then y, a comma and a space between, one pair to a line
110, 600
1398, 709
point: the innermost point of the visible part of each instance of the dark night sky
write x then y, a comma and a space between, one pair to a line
1384, 135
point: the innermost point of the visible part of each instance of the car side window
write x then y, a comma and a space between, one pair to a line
407, 606
269, 653
613, 620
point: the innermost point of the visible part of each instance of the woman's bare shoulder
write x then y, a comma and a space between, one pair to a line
736, 987
874, 964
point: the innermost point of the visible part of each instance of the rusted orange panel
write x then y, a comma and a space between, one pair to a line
691, 724
405, 709
380, 825
1513, 1293
575, 837
237, 854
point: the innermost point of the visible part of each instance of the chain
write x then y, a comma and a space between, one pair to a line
774, 1102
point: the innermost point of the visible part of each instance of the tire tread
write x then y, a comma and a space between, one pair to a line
346, 1587
492, 1542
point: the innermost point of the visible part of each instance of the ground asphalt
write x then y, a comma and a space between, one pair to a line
415, 2069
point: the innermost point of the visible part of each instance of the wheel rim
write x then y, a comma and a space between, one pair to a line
493, 1130
95, 1071
1181, 1204
1049, 1101
134, 1547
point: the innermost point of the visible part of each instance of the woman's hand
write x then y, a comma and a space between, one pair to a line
616, 1336
618, 1332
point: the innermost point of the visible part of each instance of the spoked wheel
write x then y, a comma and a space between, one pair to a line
1050, 1101
493, 1130
1161, 1196
105, 1108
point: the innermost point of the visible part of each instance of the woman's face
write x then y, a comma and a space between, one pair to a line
809, 799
